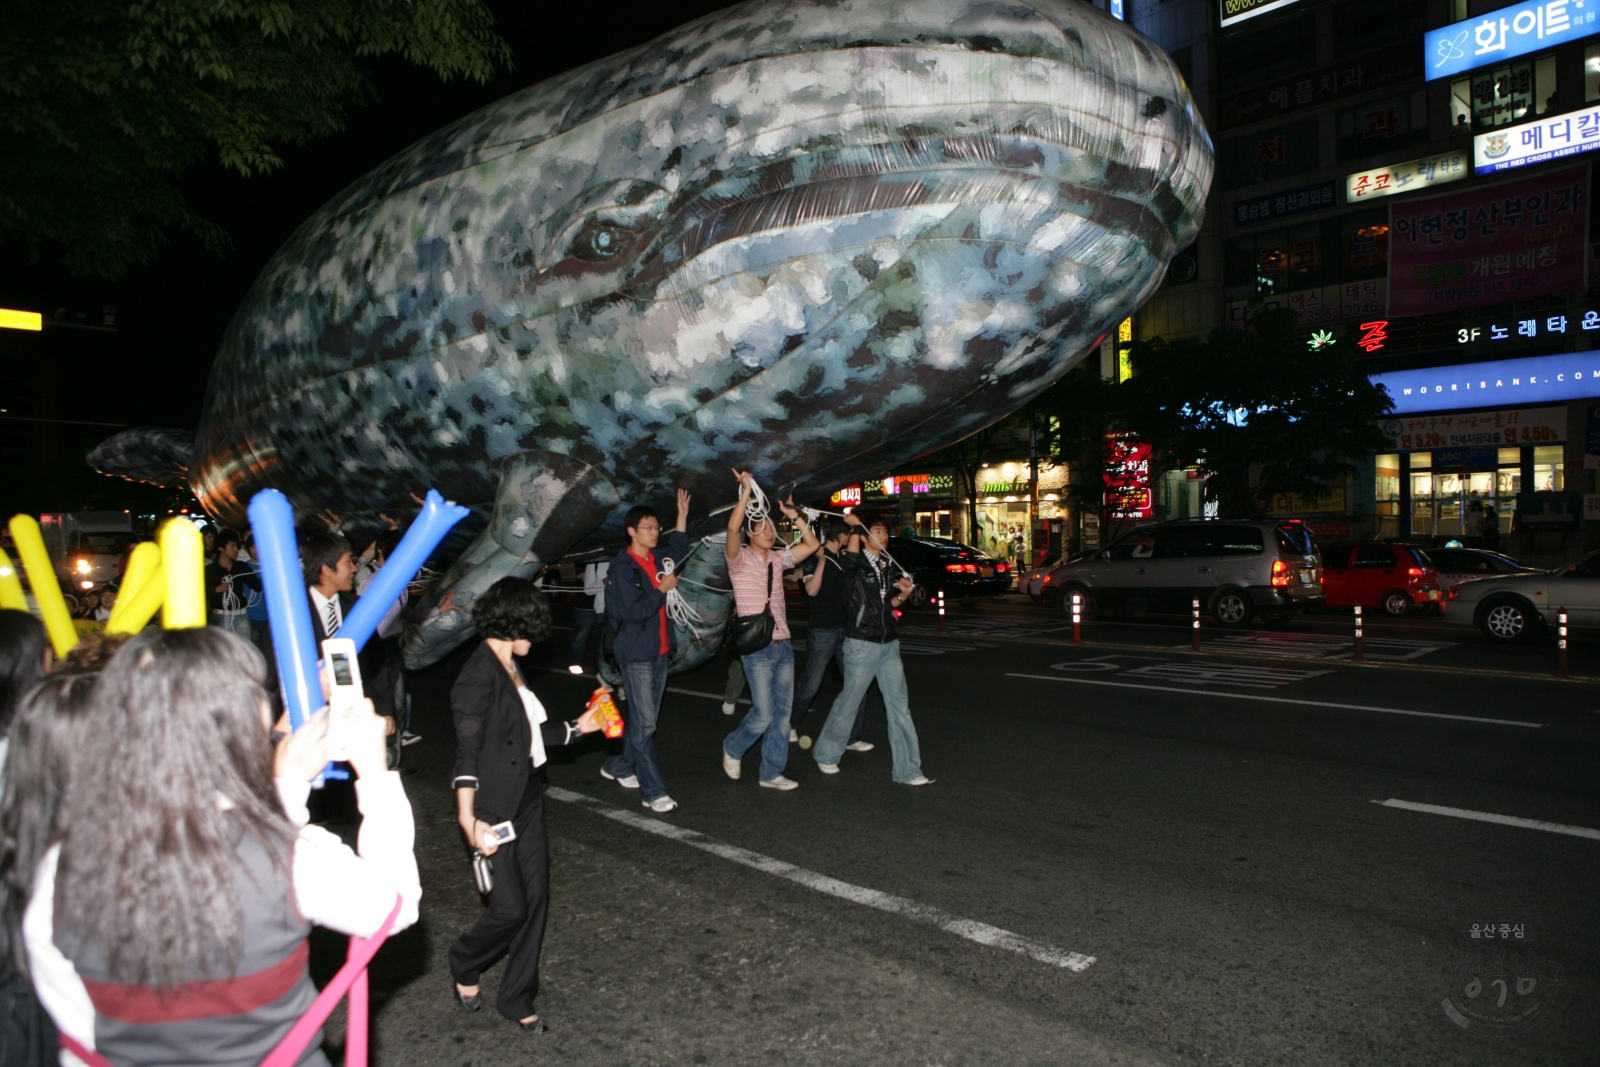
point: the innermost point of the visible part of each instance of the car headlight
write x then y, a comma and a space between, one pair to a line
83, 566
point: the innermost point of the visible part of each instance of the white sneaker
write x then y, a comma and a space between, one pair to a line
627, 781
730, 766
661, 805
921, 779
780, 782
409, 738
793, 736
828, 768
728, 709
860, 746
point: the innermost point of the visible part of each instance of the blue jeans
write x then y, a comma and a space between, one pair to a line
582, 627
863, 662
644, 681
822, 646
771, 676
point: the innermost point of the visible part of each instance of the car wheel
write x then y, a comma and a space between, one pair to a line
1231, 608
1397, 602
1064, 600
1507, 621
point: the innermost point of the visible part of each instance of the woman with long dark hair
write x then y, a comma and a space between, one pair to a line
502, 734
24, 657
171, 914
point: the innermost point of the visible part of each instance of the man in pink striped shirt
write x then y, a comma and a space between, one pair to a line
756, 570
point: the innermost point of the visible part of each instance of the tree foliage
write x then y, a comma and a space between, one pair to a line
105, 103
1258, 408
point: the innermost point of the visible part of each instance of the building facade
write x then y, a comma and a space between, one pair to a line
1413, 178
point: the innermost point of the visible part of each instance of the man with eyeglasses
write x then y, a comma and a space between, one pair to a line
636, 610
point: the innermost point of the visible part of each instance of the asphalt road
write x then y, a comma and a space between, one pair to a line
1261, 854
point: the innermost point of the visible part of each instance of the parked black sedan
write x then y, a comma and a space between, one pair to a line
955, 568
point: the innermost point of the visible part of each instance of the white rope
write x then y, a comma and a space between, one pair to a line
679, 609
756, 510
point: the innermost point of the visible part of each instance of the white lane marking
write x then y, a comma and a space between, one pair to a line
1321, 646
1230, 674
982, 933
1277, 700
1489, 816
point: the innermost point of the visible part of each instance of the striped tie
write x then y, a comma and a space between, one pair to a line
332, 626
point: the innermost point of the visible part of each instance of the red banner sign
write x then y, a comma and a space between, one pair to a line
1501, 242
1127, 478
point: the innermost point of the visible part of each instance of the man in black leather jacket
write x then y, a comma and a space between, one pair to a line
872, 652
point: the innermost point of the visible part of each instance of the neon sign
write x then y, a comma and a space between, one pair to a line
1374, 335
1127, 477
847, 497
1508, 32
1536, 379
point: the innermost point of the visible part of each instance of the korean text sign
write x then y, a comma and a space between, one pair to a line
1127, 477
1477, 429
1511, 31
1569, 134
1249, 210
1508, 241
1405, 177
1532, 380
1297, 92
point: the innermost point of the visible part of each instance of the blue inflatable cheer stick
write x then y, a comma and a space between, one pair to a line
426, 531
288, 609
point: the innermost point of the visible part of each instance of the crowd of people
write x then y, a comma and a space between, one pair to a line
160, 866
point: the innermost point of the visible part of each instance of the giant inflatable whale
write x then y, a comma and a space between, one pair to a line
811, 238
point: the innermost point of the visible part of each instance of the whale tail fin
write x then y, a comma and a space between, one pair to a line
155, 454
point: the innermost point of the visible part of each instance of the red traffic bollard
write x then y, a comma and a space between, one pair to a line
1077, 618
1561, 642
941, 611
1195, 604
1361, 645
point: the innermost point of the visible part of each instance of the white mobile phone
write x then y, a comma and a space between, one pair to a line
499, 834
343, 671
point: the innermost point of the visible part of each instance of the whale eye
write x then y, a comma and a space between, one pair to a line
599, 240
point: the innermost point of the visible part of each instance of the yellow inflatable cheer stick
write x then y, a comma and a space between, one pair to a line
11, 595
46, 590
132, 612
143, 565
183, 560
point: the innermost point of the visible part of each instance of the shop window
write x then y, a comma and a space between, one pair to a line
1382, 125
1287, 48
1386, 484
1361, 27
1591, 74
1549, 470
1270, 154
1502, 95
1364, 245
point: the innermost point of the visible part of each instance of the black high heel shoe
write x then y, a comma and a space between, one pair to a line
472, 1003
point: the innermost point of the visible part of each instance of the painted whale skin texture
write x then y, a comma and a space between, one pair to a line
810, 239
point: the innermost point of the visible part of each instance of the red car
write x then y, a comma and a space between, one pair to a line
1379, 574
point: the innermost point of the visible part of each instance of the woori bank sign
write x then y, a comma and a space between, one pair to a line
1508, 32
1534, 380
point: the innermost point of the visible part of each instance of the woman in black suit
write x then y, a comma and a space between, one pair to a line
501, 738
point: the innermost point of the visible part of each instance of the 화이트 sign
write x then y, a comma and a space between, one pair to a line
1537, 142
1406, 177
1510, 31
1534, 380
1476, 429
1234, 11
1484, 245
1252, 209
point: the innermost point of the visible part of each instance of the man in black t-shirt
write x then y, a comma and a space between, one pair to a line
221, 567
825, 594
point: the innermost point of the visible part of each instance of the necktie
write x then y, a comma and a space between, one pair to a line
331, 628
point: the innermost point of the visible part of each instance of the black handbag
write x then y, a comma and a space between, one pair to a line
752, 633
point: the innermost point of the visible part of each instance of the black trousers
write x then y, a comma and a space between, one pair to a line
513, 927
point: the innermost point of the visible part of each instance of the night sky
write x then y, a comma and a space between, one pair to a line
170, 314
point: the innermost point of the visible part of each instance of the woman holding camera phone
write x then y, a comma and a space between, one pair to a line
502, 734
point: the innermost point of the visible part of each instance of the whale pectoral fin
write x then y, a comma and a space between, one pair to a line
546, 503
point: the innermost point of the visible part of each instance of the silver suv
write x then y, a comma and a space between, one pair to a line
1237, 569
